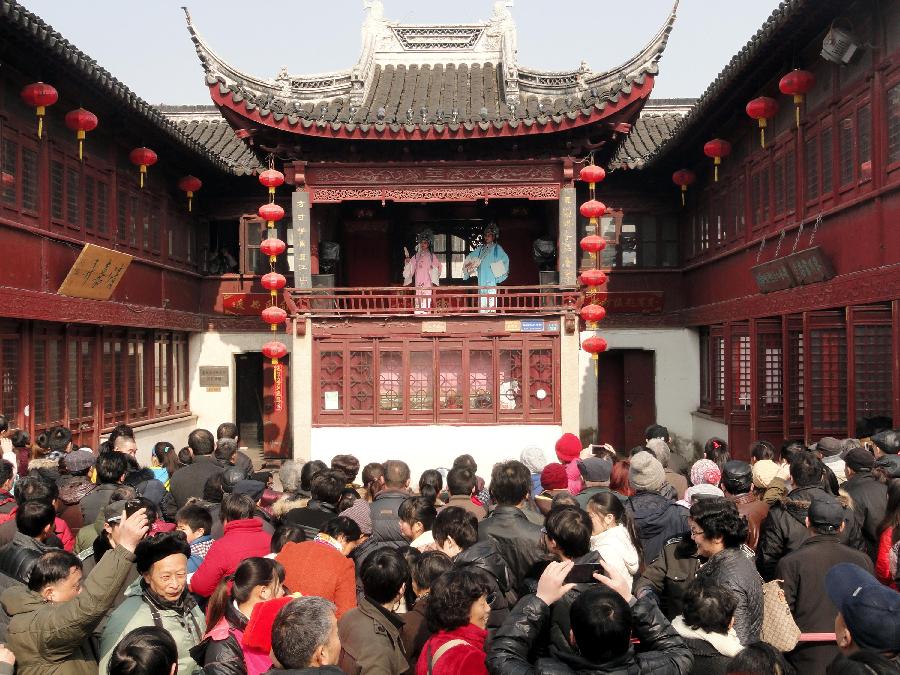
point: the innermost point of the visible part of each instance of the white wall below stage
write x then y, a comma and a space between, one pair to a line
430, 447
677, 373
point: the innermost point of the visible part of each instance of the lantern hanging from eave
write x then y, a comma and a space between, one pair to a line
762, 109
274, 315
797, 83
274, 350
272, 247
273, 282
717, 148
142, 157
591, 314
591, 174
81, 121
592, 244
271, 179
190, 185
593, 346
683, 178
39, 95
271, 213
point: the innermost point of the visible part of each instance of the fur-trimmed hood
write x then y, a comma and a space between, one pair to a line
797, 501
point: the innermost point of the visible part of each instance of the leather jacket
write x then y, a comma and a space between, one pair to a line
483, 555
518, 540
222, 656
869, 497
18, 557
733, 569
663, 650
667, 578
755, 511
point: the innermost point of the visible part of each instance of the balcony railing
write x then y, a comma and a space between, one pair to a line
438, 301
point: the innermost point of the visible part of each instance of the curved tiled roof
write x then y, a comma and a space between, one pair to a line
648, 133
205, 125
416, 94
27, 27
780, 29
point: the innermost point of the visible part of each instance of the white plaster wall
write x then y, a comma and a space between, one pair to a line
218, 349
705, 428
430, 447
677, 386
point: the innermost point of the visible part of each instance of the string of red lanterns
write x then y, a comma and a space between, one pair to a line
189, 185
143, 157
683, 178
39, 96
272, 247
592, 243
717, 149
797, 83
762, 109
81, 121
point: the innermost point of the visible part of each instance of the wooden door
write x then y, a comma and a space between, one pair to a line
626, 397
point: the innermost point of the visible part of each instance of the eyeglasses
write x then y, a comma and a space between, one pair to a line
490, 597
697, 533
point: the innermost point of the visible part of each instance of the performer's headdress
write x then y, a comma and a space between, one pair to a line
426, 235
493, 229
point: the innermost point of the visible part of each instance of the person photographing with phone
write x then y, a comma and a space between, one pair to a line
602, 621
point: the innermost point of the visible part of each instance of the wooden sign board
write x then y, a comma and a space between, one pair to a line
96, 273
772, 276
797, 269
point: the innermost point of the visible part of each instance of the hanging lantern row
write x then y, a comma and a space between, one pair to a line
189, 185
81, 121
796, 83
143, 157
272, 247
593, 209
39, 95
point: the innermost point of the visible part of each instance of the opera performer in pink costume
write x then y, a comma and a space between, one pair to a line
423, 269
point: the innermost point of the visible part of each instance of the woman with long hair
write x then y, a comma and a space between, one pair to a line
228, 612
164, 462
614, 535
887, 569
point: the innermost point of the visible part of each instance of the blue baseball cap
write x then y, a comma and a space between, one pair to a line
870, 609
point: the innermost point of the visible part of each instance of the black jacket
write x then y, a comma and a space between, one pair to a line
190, 480
707, 661
18, 557
517, 539
657, 519
223, 656
147, 486
483, 555
311, 517
784, 529
385, 521
663, 650
803, 572
733, 569
668, 576
95, 501
869, 497
311, 670
890, 464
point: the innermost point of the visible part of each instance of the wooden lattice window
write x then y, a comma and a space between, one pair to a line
892, 111
712, 370
80, 391
114, 407
9, 375
827, 154
811, 160
770, 364
740, 371
48, 367
9, 170
828, 374
873, 363
796, 374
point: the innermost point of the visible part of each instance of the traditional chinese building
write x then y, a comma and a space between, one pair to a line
765, 307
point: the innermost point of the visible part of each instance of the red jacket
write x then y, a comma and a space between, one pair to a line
468, 658
883, 561
60, 529
317, 568
242, 539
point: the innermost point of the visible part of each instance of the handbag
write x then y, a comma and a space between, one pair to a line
779, 628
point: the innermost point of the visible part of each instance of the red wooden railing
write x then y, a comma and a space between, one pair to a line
442, 301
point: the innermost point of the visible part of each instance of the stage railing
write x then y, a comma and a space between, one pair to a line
438, 301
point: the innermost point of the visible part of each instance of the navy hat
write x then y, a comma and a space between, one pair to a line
869, 608
595, 469
253, 488
825, 513
860, 459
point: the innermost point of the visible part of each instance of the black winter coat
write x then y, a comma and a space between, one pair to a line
869, 497
784, 529
18, 557
147, 486
664, 652
385, 521
707, 661
517, 539
223, 656
658, 520
311, 517
733, 569
483, 555
890, 464
669, 575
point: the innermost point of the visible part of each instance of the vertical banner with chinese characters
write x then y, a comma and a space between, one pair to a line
568, 222
302, 244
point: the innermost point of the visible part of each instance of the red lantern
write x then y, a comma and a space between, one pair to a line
274, 350
271, 179
683, 178
273, 281
274, 316
592, 173
81, 121
39, 95
717, 149
272, 247
592, 244
594, 345
593, 278
142, 157
592, 209
593, 313
190, 185
762, 109
797, 83
270, 213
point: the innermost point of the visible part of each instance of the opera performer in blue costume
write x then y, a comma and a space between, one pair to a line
490, 264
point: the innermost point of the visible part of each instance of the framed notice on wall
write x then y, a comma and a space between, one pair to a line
95, 274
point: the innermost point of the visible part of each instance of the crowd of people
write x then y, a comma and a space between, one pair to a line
562, 560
